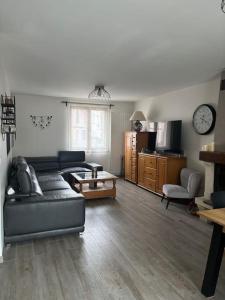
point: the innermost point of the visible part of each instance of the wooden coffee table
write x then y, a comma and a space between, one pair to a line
101, 187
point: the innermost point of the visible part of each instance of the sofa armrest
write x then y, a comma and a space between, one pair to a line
92, 165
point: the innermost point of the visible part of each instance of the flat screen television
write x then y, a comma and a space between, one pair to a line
168, 138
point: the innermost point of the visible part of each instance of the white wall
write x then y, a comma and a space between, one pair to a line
4, 162
180, 105
32, 141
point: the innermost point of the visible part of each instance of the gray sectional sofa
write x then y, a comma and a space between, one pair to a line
39, 199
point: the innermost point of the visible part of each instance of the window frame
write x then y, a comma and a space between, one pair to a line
107, 128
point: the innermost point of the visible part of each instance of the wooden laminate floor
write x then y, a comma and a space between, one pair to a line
132, 248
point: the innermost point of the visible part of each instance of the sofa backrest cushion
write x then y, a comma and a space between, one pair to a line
36, 189
70, 158
44, 163
24, 179
18, 160
27, 180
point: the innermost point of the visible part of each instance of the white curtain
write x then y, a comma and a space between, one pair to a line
90, 131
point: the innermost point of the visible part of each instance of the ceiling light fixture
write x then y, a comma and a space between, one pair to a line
223, 6
99, 93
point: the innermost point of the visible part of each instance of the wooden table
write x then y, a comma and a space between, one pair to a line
104, 185
217, 216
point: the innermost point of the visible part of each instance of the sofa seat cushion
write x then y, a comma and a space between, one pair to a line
175, 191
75, 170
54, 185
49, 177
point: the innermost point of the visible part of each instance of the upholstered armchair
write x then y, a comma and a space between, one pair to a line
190, 183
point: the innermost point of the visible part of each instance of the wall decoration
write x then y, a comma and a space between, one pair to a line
8, 120
204, 119
41, 121
8, 115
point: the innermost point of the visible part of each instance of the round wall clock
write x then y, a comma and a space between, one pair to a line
204, 119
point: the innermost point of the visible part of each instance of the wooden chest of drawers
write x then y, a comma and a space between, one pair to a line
154, 171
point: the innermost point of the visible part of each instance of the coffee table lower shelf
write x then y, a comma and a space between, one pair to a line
101, 191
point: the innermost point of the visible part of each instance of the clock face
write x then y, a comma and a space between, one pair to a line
204, 119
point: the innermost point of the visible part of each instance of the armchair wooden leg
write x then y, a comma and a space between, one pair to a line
163, 197
168, 202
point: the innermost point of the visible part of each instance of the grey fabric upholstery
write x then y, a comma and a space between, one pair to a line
184, 177
175, 191
190, 184
194, 184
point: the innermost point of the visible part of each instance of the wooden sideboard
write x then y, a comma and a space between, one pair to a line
156, 170
134, 142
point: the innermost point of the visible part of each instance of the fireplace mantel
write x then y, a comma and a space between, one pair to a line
216, 157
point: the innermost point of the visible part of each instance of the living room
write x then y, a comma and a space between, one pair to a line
93, 206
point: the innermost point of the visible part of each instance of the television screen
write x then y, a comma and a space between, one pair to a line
168, 137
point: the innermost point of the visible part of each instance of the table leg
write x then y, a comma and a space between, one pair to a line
214, 261
81, 187
114, 187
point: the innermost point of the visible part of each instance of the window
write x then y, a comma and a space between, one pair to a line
90, 128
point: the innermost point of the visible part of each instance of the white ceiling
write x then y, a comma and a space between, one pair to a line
137, 48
